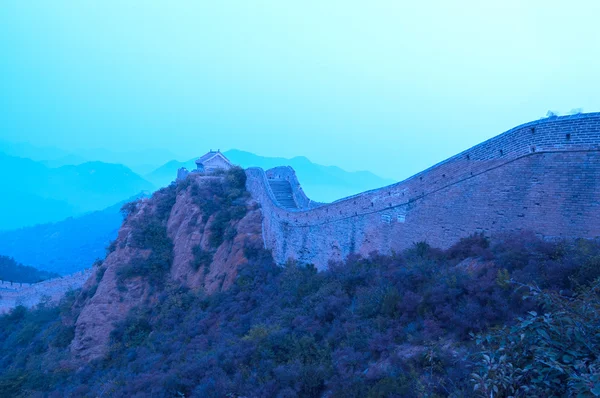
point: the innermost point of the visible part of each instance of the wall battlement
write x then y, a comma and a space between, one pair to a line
13, 294
541, 176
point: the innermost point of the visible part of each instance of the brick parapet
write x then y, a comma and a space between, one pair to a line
30, 294
570, 135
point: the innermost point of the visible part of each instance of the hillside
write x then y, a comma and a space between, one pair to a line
188, 303
33, 193
424, 322
12, 271
194, 234
321, 183
66, 246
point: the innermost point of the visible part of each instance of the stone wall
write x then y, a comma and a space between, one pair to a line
541, 176
30, 294
289, 174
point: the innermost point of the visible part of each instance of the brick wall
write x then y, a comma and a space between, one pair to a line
541, 176
289, 174
29, 295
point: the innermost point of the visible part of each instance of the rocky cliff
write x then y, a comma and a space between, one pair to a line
193, 234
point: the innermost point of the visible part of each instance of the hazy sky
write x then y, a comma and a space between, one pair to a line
390, 86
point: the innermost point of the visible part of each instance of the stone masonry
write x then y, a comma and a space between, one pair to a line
31, 294
542, 176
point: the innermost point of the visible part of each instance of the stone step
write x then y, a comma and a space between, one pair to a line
282, 190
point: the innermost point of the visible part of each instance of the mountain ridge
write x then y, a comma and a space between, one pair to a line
33, 193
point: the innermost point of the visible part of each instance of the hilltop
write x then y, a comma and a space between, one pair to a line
322, 183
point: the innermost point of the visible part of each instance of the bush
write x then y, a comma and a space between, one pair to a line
64, 336
149, 232
475, 245
236, 178
397, 325
202, 259
128, 208
550, 354
224, 200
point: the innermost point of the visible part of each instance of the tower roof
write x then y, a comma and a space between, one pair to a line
211, 154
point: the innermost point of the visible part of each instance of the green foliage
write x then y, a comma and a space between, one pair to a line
129, 208
503, 278
164, 200
202, 259
150, 233
384, 326
64, 335
550, 354
236, 178
12, 271
132, 332
224, 200
31, 340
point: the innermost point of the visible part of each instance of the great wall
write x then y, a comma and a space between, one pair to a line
541, 176
13, 294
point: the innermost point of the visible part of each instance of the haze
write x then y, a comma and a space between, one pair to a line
388, 86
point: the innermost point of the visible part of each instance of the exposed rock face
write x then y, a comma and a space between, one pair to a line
109, 304
113, 299
186, 229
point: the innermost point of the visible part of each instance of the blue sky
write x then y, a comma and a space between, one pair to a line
389, 86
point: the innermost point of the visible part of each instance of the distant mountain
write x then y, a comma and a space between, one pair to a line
141, 161
19, 209
32, 193
321, 183
68, 160
66, 246
33, 152
166, 173
12, 271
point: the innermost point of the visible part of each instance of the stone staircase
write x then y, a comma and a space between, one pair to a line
283, 193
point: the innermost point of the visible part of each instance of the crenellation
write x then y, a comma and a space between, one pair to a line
31, 294
527, 173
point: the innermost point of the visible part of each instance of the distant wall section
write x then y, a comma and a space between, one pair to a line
30, 294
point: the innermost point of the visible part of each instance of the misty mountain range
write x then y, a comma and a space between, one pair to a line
33, 193
38, 187
66, 246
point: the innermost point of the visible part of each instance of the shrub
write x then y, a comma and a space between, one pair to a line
379, 326
475, 245
150, 233
128, 208
223, 199
64, 336
132, 332
550, 354
202, 259
236, 178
